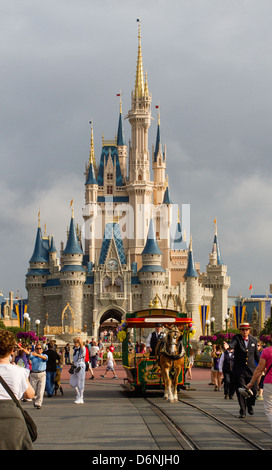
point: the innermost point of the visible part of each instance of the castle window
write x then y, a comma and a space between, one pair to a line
109, 177
109, 190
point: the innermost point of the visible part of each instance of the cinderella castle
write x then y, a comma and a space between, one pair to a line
131, 249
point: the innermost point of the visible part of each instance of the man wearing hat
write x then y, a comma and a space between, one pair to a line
246, 356
153, 338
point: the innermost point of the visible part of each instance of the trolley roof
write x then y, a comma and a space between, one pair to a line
149, 317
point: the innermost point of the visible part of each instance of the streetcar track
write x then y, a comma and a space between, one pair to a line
225, 425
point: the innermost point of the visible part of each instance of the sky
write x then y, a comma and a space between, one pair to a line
209, 67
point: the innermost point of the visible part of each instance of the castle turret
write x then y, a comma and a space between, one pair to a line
121, 144
73, 276
192, 290
217, 279
151, 274
36, 278
159, 166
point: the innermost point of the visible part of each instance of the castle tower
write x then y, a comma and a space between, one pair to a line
73, 276
151, 274
36, 278
139, 186
217, 279
192, 290
121, 144
159, 166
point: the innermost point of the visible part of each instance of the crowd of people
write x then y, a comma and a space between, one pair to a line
243, 367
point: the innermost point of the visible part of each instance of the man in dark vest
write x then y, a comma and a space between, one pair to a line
246, 357
153, 338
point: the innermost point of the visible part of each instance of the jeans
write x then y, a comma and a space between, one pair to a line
50, 383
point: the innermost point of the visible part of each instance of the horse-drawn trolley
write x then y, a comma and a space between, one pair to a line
166, 368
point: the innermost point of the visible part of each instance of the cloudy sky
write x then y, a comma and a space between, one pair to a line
209, 66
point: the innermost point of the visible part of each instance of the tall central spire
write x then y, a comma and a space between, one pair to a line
139, 81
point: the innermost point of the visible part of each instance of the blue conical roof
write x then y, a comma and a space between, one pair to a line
52, 248
40, 253
166, 197
158, 142
151, 246
72, 245
219, 257
120, 132
91, 179
191, 270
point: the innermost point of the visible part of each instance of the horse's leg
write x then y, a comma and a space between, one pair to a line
175, 384
165, 379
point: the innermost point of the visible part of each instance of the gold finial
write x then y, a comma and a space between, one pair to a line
72, 206
150, 304
166, 182
39, 218
44, 230
159, 115
215, 226
184, 235
146, 84
139, 82
156, 301
92, 155
191, 243
178, 216
120, 95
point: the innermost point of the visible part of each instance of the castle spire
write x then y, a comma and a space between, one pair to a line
72, 245
191, 270
120, 132
216, 243
92, 155
139, 81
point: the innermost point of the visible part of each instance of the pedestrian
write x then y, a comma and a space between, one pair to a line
101, 351
246, 355
265, 364
51, 369
217, 376
21, 359
87, 357
67, 354
58, 385
77, 380
190, 364
225, 368
94, 350
38, 373
13, 430
110, 364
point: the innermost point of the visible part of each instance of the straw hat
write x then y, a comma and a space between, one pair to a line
244, 326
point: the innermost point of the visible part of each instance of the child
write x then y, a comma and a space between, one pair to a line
110, 364
57, 380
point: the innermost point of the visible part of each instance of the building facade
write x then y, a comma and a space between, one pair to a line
131, 246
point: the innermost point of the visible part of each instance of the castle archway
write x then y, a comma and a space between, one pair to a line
109, 321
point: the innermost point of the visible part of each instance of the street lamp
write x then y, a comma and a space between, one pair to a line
227, 321
26, 318
212, 324
37, 324
207, 326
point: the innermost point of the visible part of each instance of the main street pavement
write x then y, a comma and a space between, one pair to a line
107, 420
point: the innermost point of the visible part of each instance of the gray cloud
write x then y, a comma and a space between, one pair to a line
209, 66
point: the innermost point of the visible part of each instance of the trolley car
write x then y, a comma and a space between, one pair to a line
142, 370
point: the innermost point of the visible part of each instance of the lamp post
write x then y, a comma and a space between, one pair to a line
26, 318
212, 324
227, 321
207, 326
37, 324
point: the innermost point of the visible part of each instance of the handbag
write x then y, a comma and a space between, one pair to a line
31, 426
72, 369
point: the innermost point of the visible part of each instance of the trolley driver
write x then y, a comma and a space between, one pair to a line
153, 338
